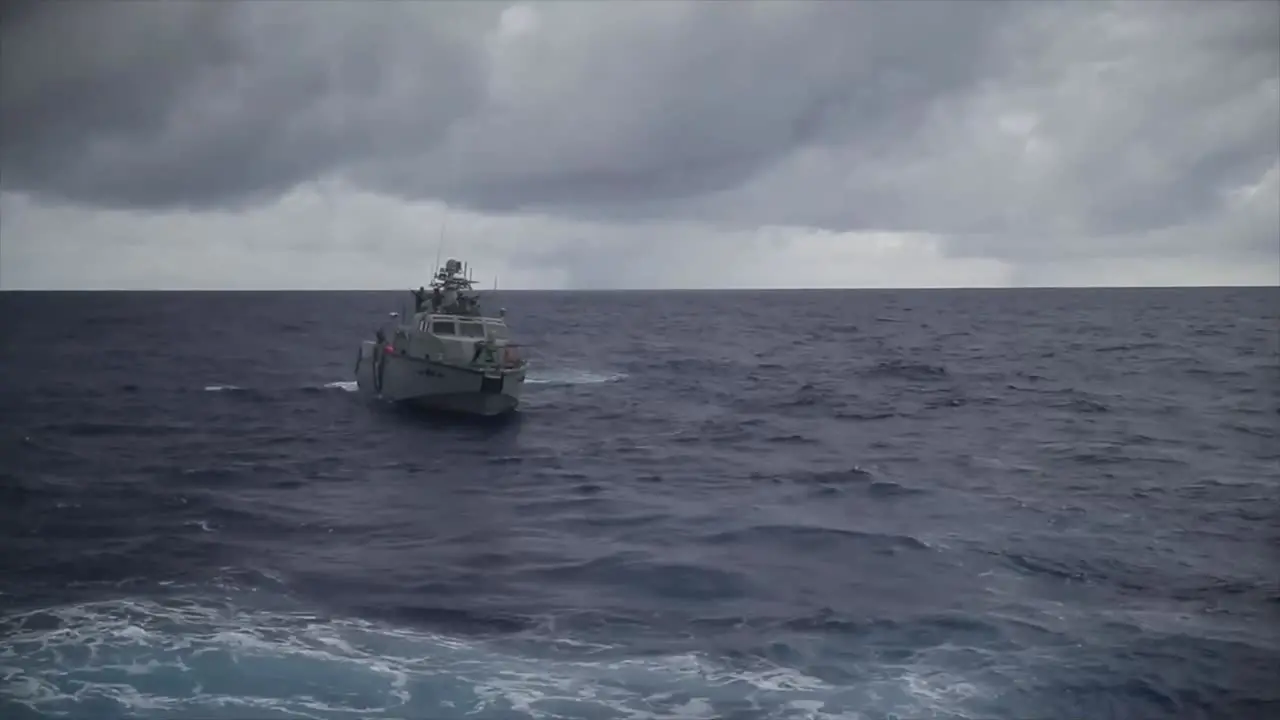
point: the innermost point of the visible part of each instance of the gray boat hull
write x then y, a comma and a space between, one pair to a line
401, 379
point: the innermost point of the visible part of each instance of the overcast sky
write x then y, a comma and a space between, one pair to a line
643, 144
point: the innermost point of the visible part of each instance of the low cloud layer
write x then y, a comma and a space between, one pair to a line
613, 143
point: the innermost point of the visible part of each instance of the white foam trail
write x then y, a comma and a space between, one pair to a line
192, 657
344, 385
573, 377
565, 377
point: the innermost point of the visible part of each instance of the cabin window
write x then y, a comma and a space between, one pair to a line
496, 332
444, 327
469, 329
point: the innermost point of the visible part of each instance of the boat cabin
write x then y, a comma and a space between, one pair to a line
462, 327
447, 324
457, 339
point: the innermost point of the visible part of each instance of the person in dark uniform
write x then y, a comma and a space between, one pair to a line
419, 297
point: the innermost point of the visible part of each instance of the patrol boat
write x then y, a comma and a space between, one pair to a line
447, 355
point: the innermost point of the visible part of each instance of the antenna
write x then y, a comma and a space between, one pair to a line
440, 245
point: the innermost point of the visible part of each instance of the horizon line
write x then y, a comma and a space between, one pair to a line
933, 288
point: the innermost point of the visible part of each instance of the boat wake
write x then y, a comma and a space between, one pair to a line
573, 377
149, 658
550, 378
344, 385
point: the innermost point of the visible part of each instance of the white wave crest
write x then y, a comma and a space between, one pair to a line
180, 657
573, 377
564, 377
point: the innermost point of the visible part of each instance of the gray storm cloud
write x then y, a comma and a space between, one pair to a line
990, 122
575, 107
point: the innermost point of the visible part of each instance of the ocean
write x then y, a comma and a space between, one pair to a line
1015, 504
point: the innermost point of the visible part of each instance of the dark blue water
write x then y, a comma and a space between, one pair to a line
953, 504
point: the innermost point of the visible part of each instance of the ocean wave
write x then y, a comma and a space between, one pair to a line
548, 377
801, 538
726, 505
573, 377
144, 658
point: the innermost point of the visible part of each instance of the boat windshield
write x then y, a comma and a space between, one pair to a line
496, 331
471, 329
